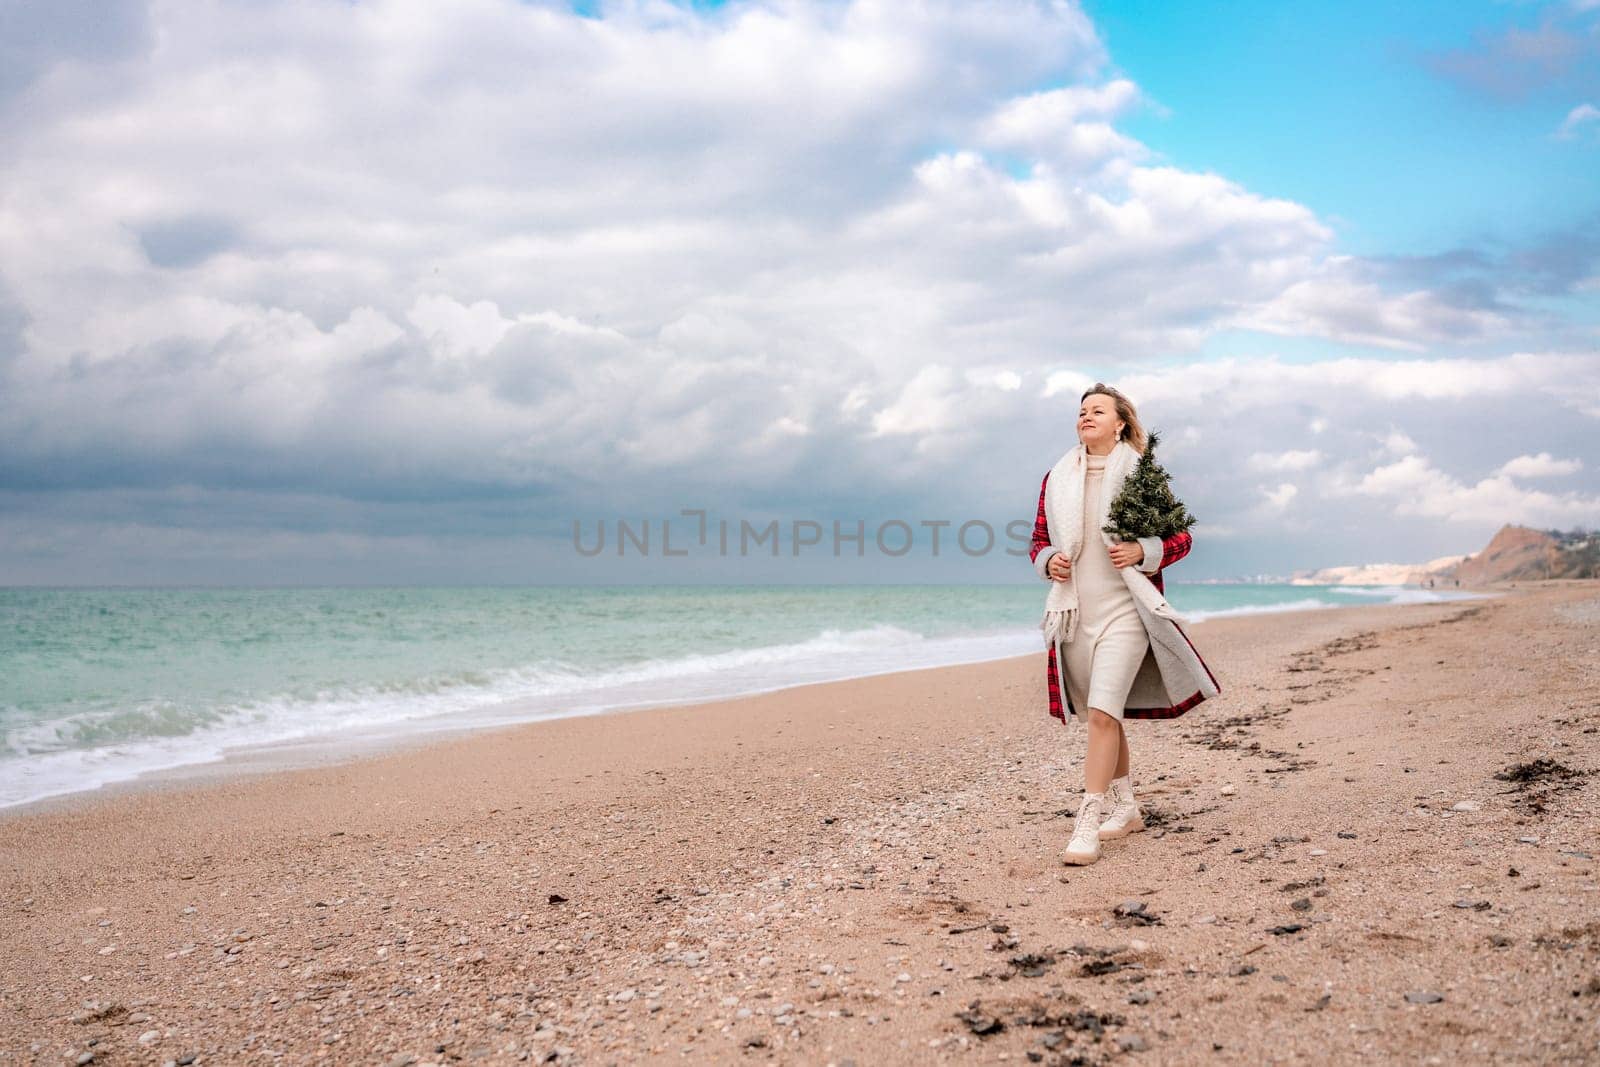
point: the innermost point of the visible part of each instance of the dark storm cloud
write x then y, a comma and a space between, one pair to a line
1559, 263
1561, 55
35, 35
186, 242
13, 319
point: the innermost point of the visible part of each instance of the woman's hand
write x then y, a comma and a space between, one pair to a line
1126, 553
1059, 567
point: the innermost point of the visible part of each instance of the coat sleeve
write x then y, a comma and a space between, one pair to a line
1040, 550
1175, 547
1160, 553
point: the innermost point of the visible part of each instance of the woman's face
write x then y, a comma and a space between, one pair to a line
1098, 424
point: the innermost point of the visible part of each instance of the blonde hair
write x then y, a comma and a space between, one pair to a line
1133, 432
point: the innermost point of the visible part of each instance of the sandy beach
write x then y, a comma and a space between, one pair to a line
1343, 864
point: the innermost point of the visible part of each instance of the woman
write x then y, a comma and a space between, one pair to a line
1106, 620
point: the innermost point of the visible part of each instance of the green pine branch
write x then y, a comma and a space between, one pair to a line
1145, 506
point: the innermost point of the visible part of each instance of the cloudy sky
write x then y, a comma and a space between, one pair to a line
396, 291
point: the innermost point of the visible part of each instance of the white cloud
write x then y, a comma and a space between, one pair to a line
1414, 486
401, 247
455, 330
926, 406
1581, 120
1542, 465
1070, 382
1278, 499
577, 223
1571, 380
995, 378
1053, 112
1291, 460
1398, 444
1333, 300
1068, 127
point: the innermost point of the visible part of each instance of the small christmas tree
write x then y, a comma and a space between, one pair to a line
1146, 507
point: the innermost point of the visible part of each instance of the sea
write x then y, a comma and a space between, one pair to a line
100, 686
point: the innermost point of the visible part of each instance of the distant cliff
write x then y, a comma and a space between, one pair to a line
1517, 553
1381, 573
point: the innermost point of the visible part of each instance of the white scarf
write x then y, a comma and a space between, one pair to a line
1063, 513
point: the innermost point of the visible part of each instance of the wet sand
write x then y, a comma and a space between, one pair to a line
868, 871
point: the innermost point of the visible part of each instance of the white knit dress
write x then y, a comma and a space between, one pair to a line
1104, 655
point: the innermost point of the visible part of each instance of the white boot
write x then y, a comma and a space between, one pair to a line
1125, 817
1084, 848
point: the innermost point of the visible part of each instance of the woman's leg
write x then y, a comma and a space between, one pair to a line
1116, 660
1105, 746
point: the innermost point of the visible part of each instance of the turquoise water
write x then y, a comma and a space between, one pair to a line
102, 685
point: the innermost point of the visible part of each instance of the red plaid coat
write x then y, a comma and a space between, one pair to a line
1173, 549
